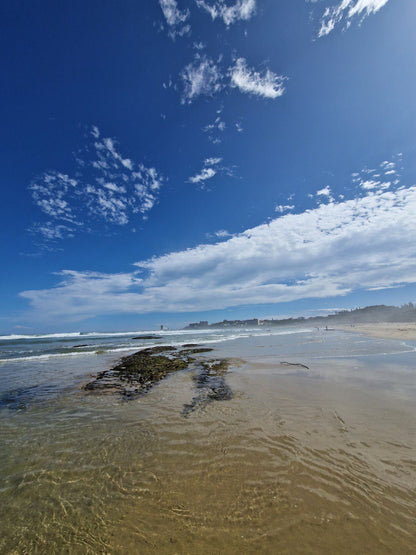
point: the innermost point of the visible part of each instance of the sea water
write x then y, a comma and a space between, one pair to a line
315, 451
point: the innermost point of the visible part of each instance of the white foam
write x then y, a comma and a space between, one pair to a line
163, 333
77, 334
203, 337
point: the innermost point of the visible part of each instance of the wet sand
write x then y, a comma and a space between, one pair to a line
298, 460
385, 330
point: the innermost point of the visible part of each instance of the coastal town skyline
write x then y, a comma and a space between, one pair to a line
190, 160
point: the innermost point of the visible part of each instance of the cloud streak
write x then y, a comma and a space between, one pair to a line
363, 243
345, 11
249, 81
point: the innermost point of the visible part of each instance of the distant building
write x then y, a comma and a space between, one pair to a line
162, 327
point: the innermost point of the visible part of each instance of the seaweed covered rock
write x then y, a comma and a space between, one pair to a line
137, 373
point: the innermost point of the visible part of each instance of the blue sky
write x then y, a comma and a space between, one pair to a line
174, 160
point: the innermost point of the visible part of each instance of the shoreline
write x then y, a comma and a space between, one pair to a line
383, 330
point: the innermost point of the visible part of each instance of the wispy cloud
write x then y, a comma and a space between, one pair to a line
175, 18
345, 11
52, 231
362, 243
267, 85
218, 124
201, 77
107, 187
282, 208
210, 169
205, 77
242, 10
222, 233
215, 129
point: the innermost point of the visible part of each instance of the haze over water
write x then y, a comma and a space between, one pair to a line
300, 460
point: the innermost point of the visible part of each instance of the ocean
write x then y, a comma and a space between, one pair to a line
314, 451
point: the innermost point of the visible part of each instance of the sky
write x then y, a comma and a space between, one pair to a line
168, 161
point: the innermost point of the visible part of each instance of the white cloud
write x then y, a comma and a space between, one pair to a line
212, 161
345, 10
209, 170
95, 132
268, 85
109, 188
284, 208
370, 185
242, 10
388, 167
362, 243
203, 175
175, 18
222, 233
201, 77
325, 192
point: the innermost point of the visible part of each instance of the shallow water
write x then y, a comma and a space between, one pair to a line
297, 461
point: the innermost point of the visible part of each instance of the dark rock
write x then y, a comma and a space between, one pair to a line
211, 384
298, 364
155, 350
148, 337
196, 351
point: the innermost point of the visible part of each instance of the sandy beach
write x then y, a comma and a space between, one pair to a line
384, 330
